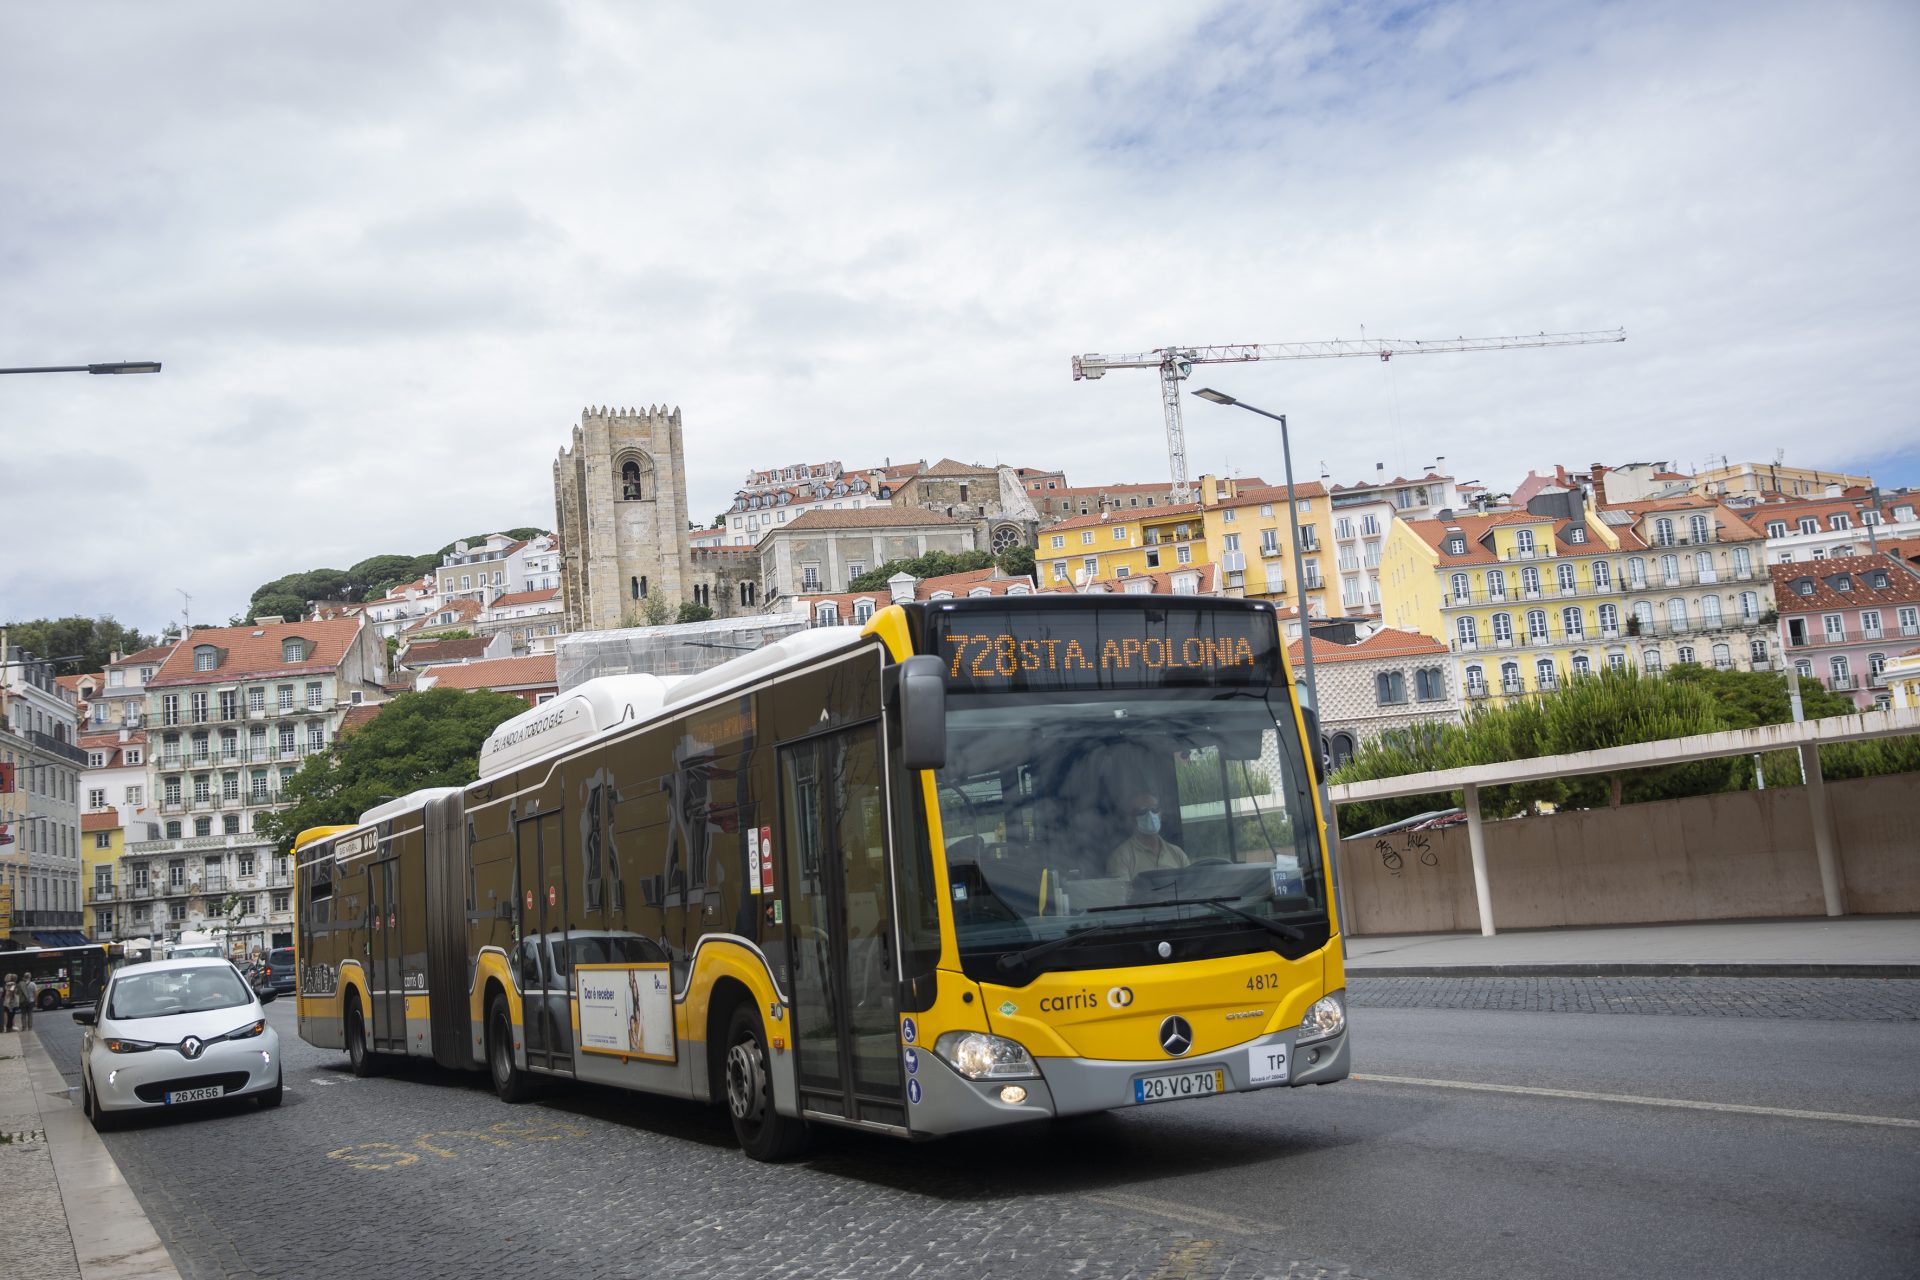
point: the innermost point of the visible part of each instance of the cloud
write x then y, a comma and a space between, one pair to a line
387, 254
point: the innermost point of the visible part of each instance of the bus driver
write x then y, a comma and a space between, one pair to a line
1144, 849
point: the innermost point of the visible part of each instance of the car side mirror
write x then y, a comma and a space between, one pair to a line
86, 1017
268, 996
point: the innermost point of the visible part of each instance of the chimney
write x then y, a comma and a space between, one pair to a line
1598, 473
900, 587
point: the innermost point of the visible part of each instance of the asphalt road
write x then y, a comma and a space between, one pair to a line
1696, 1159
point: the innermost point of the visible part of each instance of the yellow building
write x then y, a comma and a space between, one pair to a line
101, 844
1523, 601
1755, 478
1243, 526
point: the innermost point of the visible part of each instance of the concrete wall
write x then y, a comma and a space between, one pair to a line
1737, 855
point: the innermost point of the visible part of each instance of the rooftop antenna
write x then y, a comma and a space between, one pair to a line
186, 607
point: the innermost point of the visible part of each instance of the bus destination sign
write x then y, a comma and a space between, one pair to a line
1106, 648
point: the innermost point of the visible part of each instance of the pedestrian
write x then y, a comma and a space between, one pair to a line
9, 998
29, 997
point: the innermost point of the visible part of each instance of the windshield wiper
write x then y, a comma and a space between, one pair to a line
1290, 932
1014, 959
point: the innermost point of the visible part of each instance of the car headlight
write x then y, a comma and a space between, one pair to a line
249, 1031
1326, 1017
979, 1056
129, 1046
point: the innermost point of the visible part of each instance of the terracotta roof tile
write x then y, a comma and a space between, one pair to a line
145, 656
107, 820
870, 518
1385, 643
356, 717
517, 598
535, 671
1903, 584
424, 652
246, 652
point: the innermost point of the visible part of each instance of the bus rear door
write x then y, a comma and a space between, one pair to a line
389, 1030
546, 965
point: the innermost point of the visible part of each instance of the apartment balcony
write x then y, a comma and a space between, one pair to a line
1460, 600
1876, 679
173, 806
1478, 691
56, 747
1513, 688
1828, 639
103, 893
1842, 684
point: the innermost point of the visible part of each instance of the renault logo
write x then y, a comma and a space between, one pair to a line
1176, 1036
191, 1046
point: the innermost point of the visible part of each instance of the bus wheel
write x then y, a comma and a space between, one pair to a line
509, 1081
359, 1056
764, 1133
49, 1000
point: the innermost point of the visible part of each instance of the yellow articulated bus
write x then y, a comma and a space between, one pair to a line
974, 863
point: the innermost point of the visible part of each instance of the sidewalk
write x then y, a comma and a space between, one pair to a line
1819, 947
59, 1177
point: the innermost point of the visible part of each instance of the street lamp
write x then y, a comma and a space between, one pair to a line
119, 366
1306, 638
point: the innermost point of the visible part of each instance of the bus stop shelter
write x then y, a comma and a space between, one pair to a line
1805, 737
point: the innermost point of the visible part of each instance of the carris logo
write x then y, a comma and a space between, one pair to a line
1120, 997
1060, 1004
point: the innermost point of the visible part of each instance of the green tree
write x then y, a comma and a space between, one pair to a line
429, 739
93, 640
289, 608
695, 613
933, 564
656, 611
376, 575
1016, 562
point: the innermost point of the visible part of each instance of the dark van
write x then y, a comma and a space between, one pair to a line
279, 974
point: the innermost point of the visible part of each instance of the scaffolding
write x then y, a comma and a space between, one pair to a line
680, 649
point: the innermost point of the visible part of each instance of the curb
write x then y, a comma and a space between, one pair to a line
118, 1241
1637, 970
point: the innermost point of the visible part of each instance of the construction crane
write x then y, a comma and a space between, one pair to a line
1175, 363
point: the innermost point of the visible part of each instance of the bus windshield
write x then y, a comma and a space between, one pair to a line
1111, 824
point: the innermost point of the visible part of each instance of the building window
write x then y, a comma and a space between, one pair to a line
1576, 534
1390, 687
1536, 626
1776, 528
1757, 650
136, 794
1502, 628
1573, 623
96, 797
313, 695
1429, 685
1566, 577
1582, 665
1456, 546
1523, 539
1683, 653
1476, 681
1697, 528
1059, 541
1663, 532
1602, 575
630, 481
205, 657
1496, 583
1461, 593
1183, 553
1469, 632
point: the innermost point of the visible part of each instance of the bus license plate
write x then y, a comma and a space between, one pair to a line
194, 1095
1188, 1084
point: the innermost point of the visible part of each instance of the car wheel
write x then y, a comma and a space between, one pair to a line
362, 1059
271, 1098
96, 1114
763, 1132
509, 1080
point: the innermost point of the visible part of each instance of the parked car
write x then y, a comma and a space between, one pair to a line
280, 971
172, 1032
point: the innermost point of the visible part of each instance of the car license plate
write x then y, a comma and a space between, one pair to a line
1188, 1084
194, 1095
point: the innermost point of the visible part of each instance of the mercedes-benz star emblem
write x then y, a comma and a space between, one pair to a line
1176, 1036
191, 1046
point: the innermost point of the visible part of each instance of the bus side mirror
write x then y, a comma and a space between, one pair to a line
923, 712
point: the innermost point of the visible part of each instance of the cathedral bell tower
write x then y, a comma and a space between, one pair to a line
620, 505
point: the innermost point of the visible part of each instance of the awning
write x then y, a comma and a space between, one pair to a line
60, 938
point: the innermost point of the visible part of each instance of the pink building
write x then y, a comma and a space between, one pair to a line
1843, 618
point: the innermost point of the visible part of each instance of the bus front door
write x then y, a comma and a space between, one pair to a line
389, 1029
846, 1028
546, 970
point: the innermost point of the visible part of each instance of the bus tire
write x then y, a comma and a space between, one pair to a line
509, 1081
360, 1058
763, 1132
49, 1000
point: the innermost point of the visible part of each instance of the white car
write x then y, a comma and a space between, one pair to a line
171, 1032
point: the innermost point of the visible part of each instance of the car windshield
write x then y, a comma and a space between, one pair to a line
1132, 821
160, 992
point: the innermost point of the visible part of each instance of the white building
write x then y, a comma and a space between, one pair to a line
40, 769
1362, 514
771, 498
1819, 529
497, 561
402, 606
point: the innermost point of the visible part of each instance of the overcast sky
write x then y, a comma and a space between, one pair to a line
388, 252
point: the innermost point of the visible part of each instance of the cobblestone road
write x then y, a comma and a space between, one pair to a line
425, 1173
1831, 999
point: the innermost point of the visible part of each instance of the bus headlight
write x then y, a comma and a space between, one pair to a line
979, 1056
1327, 1017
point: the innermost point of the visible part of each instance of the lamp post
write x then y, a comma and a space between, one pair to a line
1306, 642
118, 366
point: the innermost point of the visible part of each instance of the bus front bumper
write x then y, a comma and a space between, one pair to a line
942, 1101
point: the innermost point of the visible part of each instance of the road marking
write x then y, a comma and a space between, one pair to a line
1893, 1122
1179, 1212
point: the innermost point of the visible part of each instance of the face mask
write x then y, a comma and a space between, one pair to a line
1148, 823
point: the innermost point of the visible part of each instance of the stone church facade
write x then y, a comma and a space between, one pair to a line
620, 502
